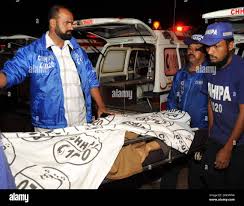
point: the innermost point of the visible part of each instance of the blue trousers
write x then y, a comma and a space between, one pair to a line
6, 178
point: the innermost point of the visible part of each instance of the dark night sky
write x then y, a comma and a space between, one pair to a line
30, 17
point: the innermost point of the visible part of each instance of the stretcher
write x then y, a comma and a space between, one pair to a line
94, 155
157, 158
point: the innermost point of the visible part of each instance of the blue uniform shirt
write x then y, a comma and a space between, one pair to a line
186, 95
226, 92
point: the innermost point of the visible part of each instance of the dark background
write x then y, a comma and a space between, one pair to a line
30, 17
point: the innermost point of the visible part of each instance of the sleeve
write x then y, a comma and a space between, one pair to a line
91, 72
204, 88
172, 97
204, 118
240, 88
17, 68
7, 180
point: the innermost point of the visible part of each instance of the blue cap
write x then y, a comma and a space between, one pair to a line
194, 39
217, 32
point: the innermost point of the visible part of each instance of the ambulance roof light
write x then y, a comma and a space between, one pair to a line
179, 28
156, 25
182, 28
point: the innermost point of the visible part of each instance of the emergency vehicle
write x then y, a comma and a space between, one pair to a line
236, 17
135, 64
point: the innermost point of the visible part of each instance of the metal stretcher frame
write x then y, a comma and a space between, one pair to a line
160, 157
197, 144
165, 155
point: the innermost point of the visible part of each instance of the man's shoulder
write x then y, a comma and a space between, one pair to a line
181, 71
238, 60
238, 65
79, 51
36, 44
180, 75
75, 44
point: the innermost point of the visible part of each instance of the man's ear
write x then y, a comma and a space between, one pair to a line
52, 23
231, 46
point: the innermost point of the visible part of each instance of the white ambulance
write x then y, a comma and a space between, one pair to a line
236, 17
135, 64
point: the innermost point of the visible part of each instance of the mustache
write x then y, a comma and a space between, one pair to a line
189, 55
211, 56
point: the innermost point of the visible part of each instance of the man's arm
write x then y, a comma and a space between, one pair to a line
172, 97
210, 116
224, 154
16, 69
94, 85
95, 93
3, 80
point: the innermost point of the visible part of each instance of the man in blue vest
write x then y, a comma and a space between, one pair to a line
186, 95
62, 79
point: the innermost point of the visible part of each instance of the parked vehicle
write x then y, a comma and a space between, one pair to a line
134, 63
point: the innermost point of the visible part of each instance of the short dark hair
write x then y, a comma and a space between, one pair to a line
54, 10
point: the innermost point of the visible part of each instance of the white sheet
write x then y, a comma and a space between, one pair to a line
81, 157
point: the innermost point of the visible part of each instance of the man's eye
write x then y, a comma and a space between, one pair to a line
199, 49
217, 46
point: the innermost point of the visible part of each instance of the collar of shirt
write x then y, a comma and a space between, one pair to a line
50, 43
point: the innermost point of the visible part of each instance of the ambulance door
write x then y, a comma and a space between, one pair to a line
174, 59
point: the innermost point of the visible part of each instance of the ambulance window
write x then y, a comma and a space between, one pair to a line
240, 50
93, 56
170, 61
140, 61
183, 56
114, 61
132, 60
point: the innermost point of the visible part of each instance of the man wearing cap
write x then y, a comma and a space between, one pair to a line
224, 165
186, 95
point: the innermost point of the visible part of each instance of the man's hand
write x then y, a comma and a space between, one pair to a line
101, 110
223, 158
3, 80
